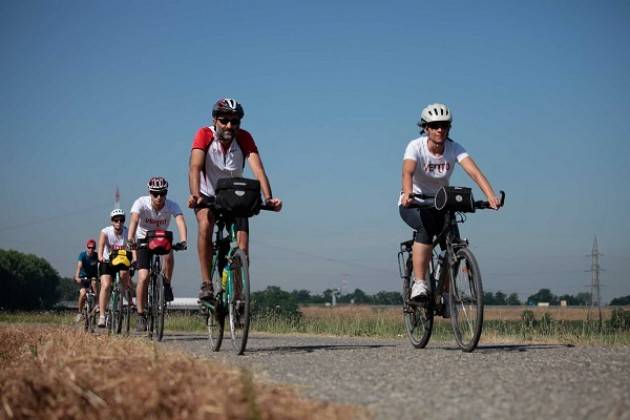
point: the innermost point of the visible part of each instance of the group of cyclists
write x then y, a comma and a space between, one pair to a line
220, 150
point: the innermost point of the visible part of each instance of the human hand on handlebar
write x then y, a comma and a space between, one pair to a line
274, 203
194, 200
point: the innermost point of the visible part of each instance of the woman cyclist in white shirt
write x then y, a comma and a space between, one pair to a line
427, 166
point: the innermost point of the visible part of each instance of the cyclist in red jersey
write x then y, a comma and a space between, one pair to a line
220, 151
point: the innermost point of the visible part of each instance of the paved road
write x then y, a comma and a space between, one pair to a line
396, 381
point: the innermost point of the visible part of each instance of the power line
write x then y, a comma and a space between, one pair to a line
51, 218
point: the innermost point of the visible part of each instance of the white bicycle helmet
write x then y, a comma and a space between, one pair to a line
435, 113
157, 184
117, 212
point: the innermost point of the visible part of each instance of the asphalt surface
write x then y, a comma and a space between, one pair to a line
395, 381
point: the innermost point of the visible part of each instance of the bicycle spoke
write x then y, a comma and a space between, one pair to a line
238, 301
466, 301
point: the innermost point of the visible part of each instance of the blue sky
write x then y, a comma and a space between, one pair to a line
99, 95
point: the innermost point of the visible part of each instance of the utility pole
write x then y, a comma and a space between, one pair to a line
595, 284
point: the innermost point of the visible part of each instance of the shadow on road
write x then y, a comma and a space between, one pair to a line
309, 348
496, 348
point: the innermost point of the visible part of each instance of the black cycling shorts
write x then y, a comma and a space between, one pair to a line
105, 268
426, 222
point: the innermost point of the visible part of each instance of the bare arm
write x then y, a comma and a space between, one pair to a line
195, 167
480, 179
256, 165
101, 246
133, 226
409, 167
181, 227
77, 279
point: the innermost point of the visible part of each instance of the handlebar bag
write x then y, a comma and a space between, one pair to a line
120, 258
455, 199
238, 196
159, 242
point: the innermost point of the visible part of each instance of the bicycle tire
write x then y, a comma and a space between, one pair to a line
239, 314
126, 312
215, 317
466, 300
86, 314
150, 308
118, 310
160, 307
418, 319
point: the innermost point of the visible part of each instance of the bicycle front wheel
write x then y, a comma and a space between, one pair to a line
87, 316
466, 300
215, 315
159, 307
126, 312
418, 318
238, 301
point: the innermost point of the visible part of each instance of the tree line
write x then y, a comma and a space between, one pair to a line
29, 282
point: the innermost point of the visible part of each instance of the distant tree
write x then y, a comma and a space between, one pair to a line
583, 298
488, 298
274, 300
543, 295
359, 296
68, 290
500, 298
513, 300
28, 282
623, 300
387, 298
302, 296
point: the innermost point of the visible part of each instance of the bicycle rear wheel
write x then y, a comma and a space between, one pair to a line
87, 309
418, 318
238, 301
466, 300
160, 307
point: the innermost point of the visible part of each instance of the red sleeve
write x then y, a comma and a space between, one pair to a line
246, 142
202, 139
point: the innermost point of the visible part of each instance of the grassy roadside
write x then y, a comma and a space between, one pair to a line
501, 325
58, 372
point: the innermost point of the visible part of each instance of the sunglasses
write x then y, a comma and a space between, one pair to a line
91, 247
225, 121
436, 125
158, 193
118, 220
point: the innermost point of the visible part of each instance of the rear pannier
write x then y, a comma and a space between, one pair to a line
159, 241
238, 196
120, 259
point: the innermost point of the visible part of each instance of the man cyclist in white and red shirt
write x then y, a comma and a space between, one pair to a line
220, 151
154, 212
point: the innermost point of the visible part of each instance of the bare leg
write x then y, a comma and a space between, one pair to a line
421, 255
82, 297
205, 222
141, 289
106, 284
168, 265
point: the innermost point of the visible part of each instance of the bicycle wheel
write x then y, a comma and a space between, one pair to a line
150, 309
126, 312
215, 315
238, 301
418, 318
466, 300
118, 310
159, 310
86, 314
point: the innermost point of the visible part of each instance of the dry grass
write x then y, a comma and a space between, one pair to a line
491, 313
58, 372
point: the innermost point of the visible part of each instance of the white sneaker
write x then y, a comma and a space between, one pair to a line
78, 318
419, 290
101, 322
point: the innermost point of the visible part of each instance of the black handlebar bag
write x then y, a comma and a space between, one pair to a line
238, 196
455, 199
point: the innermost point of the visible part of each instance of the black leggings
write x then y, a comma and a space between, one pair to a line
426, 222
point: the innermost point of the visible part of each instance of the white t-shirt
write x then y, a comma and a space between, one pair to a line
151, 219
432, 171
113, 240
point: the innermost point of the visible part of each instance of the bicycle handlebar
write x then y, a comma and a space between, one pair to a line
431, 201
209, 203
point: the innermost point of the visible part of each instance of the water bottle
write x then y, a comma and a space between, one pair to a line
224, 278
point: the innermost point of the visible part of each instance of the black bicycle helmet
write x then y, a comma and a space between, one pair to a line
227, 106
